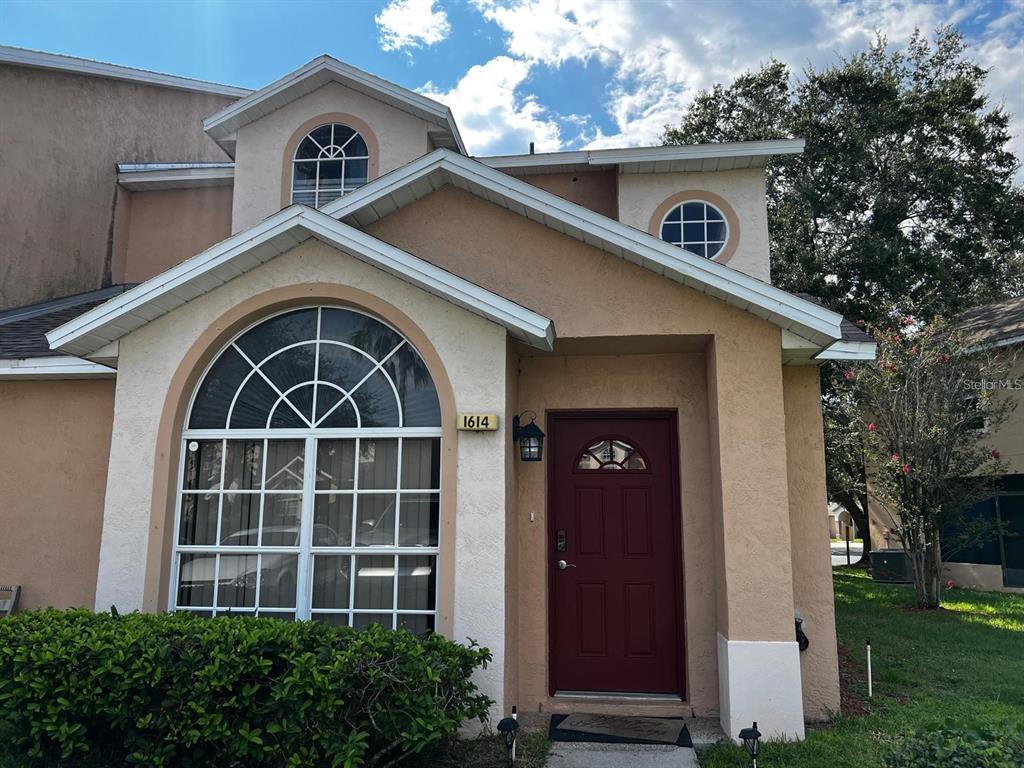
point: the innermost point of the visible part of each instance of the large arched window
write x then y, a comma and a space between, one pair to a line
330, 161
310, 480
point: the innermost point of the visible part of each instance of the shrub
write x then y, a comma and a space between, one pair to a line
956, 747
78, 688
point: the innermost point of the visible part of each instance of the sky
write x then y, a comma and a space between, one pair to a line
565, 74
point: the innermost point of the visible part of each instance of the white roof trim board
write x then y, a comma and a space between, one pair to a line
150, 176
273, 236
421, 177
40, 60
223, 126
663, 159
55, 367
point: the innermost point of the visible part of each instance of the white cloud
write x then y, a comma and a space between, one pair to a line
662, 53
408, 24
491, 116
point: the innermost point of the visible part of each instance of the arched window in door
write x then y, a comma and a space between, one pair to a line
611, 454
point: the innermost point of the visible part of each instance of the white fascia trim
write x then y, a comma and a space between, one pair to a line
55, 367
420, 105
295, 225
598, 157
147, 167
221, 175
650, 252
41, 60
848, 350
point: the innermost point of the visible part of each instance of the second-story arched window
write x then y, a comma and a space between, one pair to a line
330, 161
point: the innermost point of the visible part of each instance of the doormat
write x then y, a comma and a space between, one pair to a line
612, 729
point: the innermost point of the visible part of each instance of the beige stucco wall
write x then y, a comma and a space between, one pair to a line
473, 354
168, 226
596, 190
640, 194
670, 381
261, 146
1009, 437
811, 553
594, 296
53, 456
61, 136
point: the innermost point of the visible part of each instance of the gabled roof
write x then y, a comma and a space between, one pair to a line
259, 244
223, 126
39, 60
683, 158
421, 177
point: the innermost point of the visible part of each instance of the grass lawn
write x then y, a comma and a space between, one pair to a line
964, 662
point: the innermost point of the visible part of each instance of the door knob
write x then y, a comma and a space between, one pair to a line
562, 565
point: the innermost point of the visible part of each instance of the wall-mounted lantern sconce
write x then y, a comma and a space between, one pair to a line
530, 438
750, 738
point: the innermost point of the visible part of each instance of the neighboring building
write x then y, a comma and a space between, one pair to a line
999, 564
840, 521
252, 405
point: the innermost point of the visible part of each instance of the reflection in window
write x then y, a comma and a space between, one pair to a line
304, 514
612, 455
696, 226
330, 161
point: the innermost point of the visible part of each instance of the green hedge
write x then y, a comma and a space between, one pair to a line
78, 688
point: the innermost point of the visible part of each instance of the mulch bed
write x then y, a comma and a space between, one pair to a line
850, 674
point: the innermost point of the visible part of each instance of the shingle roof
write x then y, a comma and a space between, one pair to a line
994, 323
23, 329
850, 331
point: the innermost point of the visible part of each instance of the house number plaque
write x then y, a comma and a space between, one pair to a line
478, 422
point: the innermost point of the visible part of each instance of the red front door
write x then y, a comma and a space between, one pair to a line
614, 553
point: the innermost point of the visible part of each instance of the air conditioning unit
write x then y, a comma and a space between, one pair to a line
891, 566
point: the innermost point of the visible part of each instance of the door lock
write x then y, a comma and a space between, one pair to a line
562, 565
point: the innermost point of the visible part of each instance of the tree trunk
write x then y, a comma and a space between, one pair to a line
926, 561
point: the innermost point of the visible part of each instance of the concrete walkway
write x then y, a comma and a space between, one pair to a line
586, 755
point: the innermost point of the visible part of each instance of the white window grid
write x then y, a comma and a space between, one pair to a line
684, 242
305, 550
324, 194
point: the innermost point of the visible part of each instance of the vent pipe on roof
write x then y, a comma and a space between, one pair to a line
531, 147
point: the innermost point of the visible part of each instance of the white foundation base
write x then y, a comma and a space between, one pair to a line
760, 680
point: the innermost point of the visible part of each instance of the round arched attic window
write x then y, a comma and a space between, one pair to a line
331, 160
697, 226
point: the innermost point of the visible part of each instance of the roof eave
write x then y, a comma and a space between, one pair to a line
54, 367
810, 320
862, 351
223, 125
273, 236
53, 61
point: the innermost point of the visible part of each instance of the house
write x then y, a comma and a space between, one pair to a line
999, 563
287, 352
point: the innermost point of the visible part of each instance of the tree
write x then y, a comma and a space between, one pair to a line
926, 399
902, 202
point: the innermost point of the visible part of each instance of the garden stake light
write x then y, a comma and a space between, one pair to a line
867, 645
507, 728
750, 738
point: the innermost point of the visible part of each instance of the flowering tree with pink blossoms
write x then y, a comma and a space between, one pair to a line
934, 399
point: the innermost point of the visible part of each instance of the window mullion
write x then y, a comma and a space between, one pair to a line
304, 577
